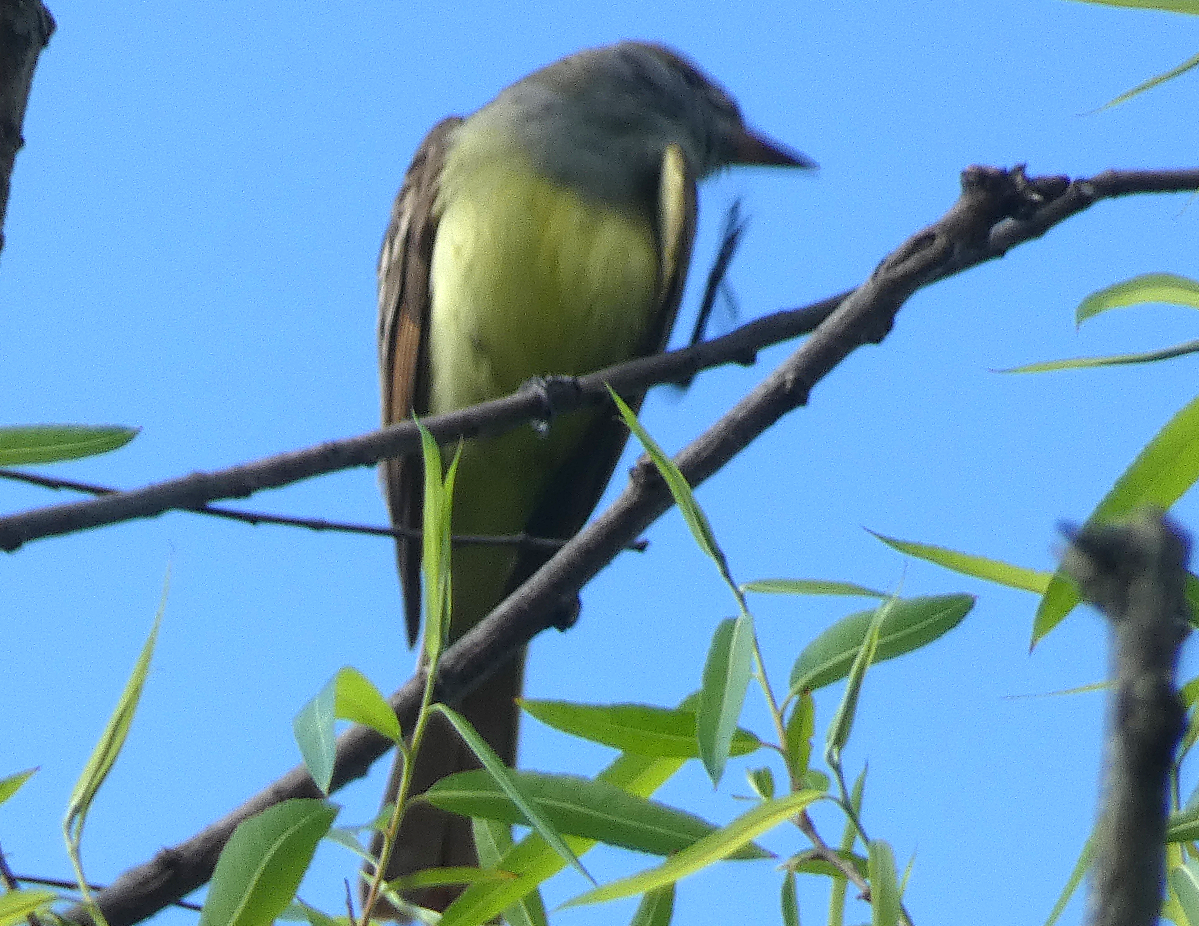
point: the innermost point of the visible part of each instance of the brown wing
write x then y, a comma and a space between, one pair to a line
404, 263
580, 481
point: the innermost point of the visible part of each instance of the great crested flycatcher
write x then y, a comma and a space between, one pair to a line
547, 233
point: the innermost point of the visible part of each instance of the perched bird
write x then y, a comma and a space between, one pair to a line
547, 233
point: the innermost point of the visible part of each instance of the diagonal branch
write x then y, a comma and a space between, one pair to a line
997, 210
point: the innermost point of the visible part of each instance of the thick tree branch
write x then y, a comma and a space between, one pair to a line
25, 28
1136, 574
998, 209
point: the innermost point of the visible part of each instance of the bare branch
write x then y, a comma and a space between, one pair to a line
25, 28
998, 209
1136, 574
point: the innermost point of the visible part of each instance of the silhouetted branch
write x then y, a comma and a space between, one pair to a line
1135, 573
998, 210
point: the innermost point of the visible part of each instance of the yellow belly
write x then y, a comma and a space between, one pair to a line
528, 279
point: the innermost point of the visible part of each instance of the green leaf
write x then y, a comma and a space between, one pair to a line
507, 780
262, 865
1184, 880
656, 908
492, 840
1072, 883
992, 570
908, 625
725, 681
636, 728
533, 861
1111, 360
435, 560
574, 806
1172, 6
839, 729
104, 756
300, 912
349, 695
1165, 469
313, 729
801, 727
1183, 825
359, 701
1150, 287
884, 885
714, 848
10, 784
1178, 6
810, 587
48, 443
788, 902
680, 488
761, 780
17, 906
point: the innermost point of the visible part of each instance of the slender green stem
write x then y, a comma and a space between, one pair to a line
401, 797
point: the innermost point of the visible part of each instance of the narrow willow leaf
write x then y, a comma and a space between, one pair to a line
1172, 6
313, 729
788, 902
1149, 287
761, 780
1184, 882
349, 695
800, 728
299, 911
1164, 469
637, 728
842, 725
810, 863
359, 701
434, 561
440, 877
810, 587
908, 625
992, 570
720, 845
576, 806
1072, 883
104, 756
532, 861
725, 681
18, 905
656, 908
678, 485
1111, 360
1183, 826
1172, 909
505, 778
884, 884
263, 863
48, 443
10, 784
492, 840
1181, 6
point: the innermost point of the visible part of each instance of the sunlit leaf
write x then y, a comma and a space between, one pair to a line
720, 845
908, 625
577, 806
637, 728
48, 443
263, 862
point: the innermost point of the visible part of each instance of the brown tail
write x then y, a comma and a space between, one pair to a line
431, 838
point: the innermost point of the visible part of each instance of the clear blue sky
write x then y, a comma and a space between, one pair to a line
190, 249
